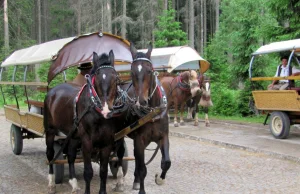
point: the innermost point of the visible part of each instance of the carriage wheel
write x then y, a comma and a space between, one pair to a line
16, 139
58, 168
112, 165
279, 125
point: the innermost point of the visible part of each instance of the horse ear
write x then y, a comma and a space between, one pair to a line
148, 54
112, 57
95, 58
133, 50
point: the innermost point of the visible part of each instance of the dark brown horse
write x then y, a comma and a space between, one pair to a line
90, 109
145, 94
204, 100
179, 90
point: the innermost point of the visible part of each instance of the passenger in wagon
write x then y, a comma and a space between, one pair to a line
283, 71
85, 68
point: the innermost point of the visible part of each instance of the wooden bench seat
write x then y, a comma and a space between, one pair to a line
38, 104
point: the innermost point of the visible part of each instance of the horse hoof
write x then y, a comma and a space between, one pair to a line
119, 187
51, 189
158, 180
176, 125
136, 186
182, 123
76, 191
196, 124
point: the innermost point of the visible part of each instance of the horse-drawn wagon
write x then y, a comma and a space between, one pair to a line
66, 53
282, 105
63, 54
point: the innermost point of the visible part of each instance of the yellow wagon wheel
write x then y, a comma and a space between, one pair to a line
279, 125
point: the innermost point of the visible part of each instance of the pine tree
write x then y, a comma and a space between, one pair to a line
169, 31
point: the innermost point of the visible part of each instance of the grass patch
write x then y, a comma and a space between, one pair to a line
253, 119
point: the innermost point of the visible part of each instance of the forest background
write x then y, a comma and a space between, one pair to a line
225, 32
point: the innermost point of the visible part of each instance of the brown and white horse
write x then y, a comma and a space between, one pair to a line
204, 100
179, 90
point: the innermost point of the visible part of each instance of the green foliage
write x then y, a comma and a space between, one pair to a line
287, 14
224, 100
168, 31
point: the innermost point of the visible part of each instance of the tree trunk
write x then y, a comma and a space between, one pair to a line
45, 20
204, 24
186, 17
115, 15
39, 22
152, 23
165, 4
78, 17
217, 14
202, 29
123, 28
191, 24
6, 34
108, 8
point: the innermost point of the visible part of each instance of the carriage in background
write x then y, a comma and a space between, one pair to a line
282, 106
63, 54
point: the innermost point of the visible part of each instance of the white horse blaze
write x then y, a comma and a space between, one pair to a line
140, 68
206, 86
104, 76
105, 110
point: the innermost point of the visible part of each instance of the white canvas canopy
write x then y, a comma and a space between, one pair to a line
36, 54
168, 58
174, 58
279, 47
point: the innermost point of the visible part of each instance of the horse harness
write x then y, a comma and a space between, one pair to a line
148, 113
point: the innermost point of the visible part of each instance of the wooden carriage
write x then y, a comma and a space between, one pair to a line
282, 105
64, 54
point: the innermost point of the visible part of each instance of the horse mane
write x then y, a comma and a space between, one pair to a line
102, 61
185, 75
193, 75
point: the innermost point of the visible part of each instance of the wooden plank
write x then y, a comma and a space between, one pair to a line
35, 103
275, 78
25, 83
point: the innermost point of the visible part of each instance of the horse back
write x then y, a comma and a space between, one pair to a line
58, 104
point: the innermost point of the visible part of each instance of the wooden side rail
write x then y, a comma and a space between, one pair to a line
38, 104
275, 78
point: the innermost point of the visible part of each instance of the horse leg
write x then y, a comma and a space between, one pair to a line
104, 158
136, 182
50, 134
88, 170
189, 113
196, 123
120, 176
165, 161
206, 116
181, 114
141, 169
72, 152
175, 113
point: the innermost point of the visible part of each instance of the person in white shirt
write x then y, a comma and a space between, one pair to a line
283, 71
